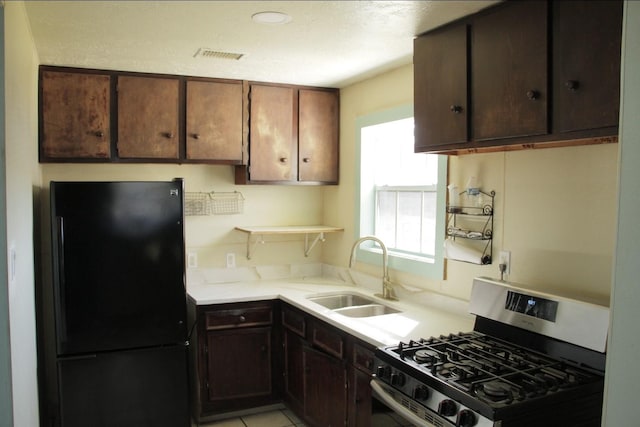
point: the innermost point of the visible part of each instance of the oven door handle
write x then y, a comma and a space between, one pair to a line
382, 395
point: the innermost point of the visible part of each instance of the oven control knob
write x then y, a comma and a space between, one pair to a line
382, 371
421, 393
397, 378
447, 408
466, 418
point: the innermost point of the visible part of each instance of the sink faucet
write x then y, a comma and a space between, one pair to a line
387, 287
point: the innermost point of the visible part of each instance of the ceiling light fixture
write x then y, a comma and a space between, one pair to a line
271, 18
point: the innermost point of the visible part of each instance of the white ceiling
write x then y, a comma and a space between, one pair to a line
327, 43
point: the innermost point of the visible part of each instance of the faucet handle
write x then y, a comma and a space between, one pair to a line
388, 292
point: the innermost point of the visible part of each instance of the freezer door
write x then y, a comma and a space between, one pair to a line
118, 265
126, 388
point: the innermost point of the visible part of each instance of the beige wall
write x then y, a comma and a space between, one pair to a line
555, 208
22, 175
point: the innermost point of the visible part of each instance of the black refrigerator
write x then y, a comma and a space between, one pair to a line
120, 303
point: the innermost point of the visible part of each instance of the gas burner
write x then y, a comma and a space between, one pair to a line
496, 389
496, 392
450, 372
425, 356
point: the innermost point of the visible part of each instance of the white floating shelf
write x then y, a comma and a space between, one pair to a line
318, 230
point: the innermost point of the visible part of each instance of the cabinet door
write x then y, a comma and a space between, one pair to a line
509, 71
293, 370
360, 399
325, 391
272, 134
214, 121
586, 64
75, 121
239, 363
440, 88
148, 117
318, 136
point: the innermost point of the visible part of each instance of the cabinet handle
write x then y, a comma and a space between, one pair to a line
195, 135
456, 109
283, 160
572, 85
242, 318
306, 160
533, 94
167, 134
99, 134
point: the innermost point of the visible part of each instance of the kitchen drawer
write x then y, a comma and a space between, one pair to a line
328, 339
238, 317
362, 357
294, 321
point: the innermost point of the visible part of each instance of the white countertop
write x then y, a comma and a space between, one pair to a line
414, 321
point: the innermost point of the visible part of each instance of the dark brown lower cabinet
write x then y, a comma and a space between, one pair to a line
239, 363
326, 372
293, 370
251, 354
233, 358
360, 369
325, 389
360, 399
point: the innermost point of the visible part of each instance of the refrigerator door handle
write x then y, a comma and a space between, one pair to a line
61, 288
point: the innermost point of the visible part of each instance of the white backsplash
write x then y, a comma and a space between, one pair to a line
323, 273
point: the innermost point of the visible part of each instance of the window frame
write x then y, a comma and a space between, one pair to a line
367, 252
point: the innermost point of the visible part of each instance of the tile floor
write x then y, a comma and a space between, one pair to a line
277, 418
286, 418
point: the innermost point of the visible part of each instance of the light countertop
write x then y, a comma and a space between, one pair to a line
414, 320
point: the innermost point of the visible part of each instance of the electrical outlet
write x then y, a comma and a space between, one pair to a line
231, 260
505, 258
192, 260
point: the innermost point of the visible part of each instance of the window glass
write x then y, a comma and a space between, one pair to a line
401, 194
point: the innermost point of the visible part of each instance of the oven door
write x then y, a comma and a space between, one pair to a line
382, 398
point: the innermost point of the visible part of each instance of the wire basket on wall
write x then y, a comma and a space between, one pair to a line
213, 203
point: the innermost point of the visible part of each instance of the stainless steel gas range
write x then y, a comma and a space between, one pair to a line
533, 359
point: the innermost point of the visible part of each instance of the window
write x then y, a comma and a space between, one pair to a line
402, 194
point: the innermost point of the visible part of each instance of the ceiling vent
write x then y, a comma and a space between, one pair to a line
215, 54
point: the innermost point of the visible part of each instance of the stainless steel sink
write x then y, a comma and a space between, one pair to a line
336, 301
369, 310
352, 305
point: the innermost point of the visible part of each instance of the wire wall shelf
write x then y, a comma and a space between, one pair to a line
213, 203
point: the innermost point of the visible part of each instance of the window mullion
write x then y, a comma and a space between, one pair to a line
397, 215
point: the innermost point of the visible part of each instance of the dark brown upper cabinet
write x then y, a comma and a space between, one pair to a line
214, 120
440, 86
114, 116
75, 116
318, 129
509, 71
148, 118
272, 133
520, 74
293, 136
586, 64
